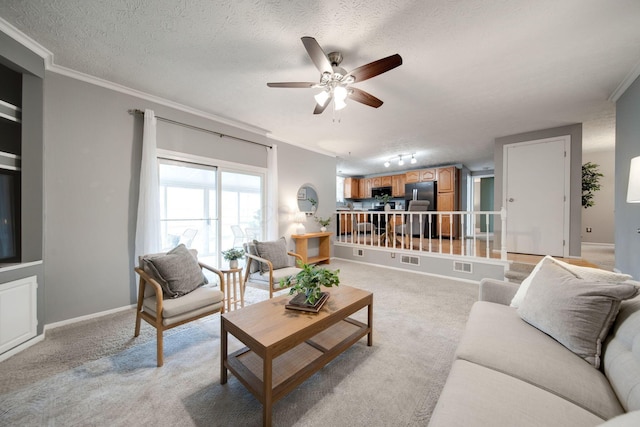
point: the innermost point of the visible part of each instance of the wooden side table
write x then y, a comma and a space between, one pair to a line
233, 281
324, 247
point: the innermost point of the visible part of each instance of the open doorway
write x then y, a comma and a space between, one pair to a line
481, 195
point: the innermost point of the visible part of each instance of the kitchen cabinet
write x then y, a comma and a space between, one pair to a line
447, 179
427, 175
420, 175
412, 177
448, 200
351, 188
361, 188
368, 185
397, 185
381, 181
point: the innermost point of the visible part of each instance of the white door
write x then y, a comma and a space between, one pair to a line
536, 189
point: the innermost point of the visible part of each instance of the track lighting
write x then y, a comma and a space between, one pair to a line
413, 160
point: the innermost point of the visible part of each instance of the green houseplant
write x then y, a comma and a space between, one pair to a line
309, 280
233, 255
590, 183
324, 223
384, 199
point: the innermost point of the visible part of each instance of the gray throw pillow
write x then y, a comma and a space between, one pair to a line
575, 312
250, 248
274, 251
177, 271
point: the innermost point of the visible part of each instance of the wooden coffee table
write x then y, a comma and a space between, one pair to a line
285, 347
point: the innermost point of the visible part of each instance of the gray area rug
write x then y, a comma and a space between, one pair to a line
95, 373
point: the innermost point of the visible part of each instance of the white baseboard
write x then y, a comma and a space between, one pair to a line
87, 317
606, 245
25, 345
7, 354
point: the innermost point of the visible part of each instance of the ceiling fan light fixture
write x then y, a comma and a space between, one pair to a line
339, 103
322, 98
340, 93
413, 160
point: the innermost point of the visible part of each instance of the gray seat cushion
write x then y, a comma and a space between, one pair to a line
478, 396
262, 279
204, 298
497, 338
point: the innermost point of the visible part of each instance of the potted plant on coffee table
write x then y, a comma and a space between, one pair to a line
233, 255
307, 287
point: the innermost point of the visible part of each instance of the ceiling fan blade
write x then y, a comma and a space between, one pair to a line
374, 68
364, 97
320, 108
301, 85
317, 55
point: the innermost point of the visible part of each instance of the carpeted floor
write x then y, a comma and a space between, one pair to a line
95, 373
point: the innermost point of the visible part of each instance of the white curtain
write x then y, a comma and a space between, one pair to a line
148, 223
272, 192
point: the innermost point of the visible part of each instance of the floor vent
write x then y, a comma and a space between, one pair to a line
413, 260
358, 252
464, 267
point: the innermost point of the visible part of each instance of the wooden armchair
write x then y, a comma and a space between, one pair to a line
266, 271
165, 307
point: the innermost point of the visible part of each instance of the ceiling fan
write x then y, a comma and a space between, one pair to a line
335, 82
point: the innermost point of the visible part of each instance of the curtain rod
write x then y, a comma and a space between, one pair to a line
164, 119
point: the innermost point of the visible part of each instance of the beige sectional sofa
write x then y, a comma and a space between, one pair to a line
508, 373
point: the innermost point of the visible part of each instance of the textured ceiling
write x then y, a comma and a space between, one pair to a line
473, 70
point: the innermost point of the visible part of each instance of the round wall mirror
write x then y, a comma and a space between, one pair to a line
307, 199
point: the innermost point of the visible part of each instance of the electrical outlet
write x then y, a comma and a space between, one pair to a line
393, 255
588, 229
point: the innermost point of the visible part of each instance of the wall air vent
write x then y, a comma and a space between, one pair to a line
464, 267
413, 260
358, 252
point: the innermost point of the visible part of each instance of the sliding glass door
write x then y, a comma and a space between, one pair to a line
209, 208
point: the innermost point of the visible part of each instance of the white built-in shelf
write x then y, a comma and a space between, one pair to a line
10, 112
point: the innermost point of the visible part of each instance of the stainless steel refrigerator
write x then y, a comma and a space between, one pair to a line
423, 191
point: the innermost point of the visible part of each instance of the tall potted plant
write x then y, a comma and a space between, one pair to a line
590, 183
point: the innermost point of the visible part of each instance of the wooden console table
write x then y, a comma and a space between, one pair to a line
324, 251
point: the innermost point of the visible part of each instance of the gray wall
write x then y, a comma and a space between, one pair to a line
297, 167
627, 215
600, 216
575, 203
92, 158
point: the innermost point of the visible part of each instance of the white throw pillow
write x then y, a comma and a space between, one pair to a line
524, 286
585, 273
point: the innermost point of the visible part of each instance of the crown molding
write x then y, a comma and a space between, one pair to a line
270, 135
68, 72
626, 82
26, 41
